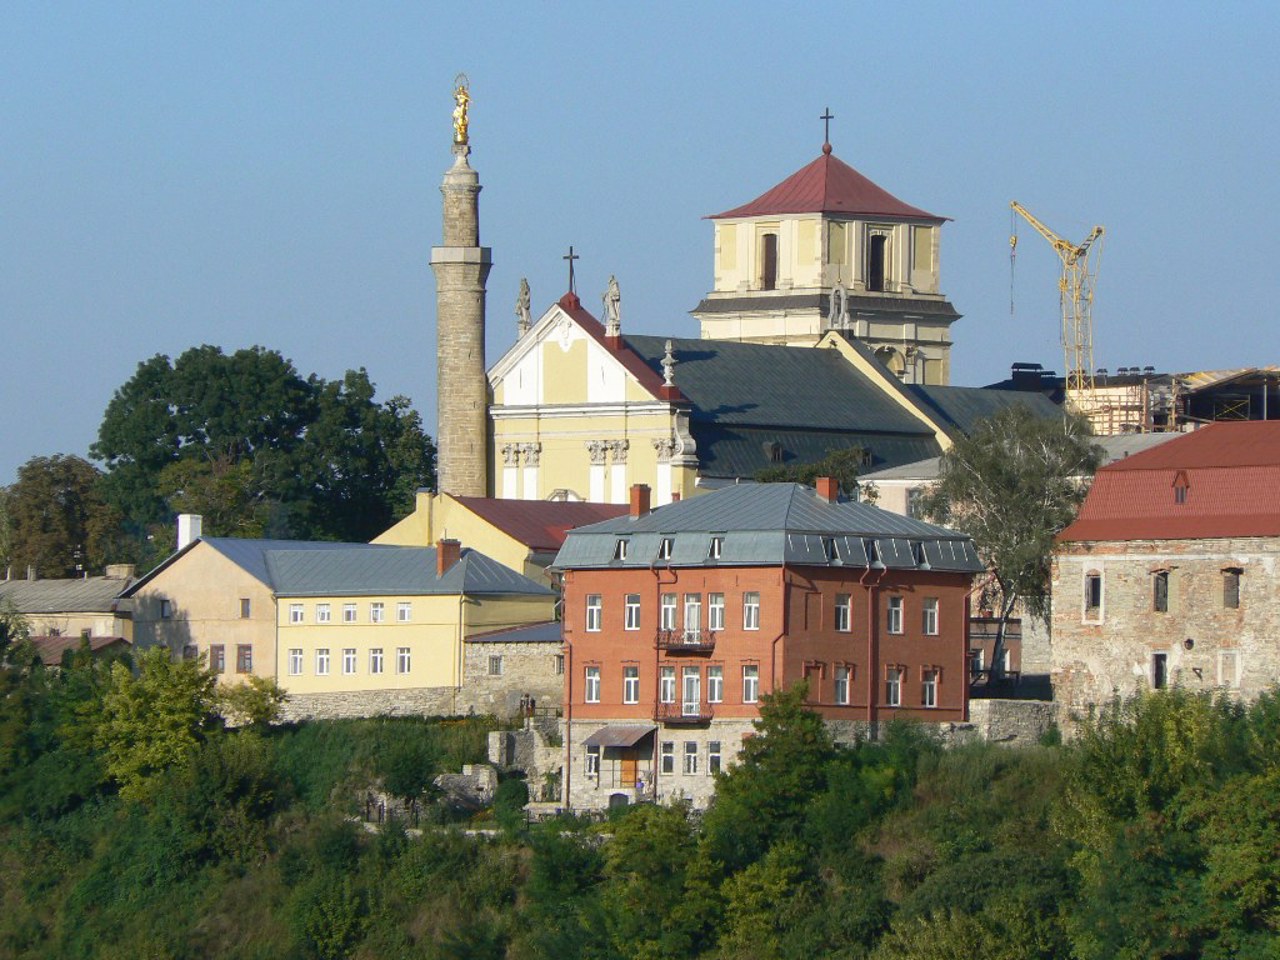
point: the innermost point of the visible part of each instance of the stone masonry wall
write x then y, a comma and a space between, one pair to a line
526, 669
1206, 645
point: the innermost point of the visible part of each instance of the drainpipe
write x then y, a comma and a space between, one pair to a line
655, 762
458, 664
873, 647
568, 702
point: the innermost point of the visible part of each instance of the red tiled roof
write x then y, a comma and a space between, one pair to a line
1232, 473
51, 648
634, 364
540, 524
828, 185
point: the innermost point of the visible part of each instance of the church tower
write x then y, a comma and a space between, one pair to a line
827, 249
461, 267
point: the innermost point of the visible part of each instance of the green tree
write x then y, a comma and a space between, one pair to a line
843, 464
58, 519
257, 702
645, 877
153, 721
1013, 484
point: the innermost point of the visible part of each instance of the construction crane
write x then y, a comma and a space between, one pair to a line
1075, 291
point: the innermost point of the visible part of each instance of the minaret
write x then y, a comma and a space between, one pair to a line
461, 267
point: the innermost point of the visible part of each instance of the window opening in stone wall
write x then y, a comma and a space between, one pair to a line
1160, 591
713, 757
876, 263
1231, 588
1092, 594
1229, 669
668, 756
1159, 670
769, 261
495, 665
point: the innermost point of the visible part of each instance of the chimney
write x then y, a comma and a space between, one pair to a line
190, 528
31, 571
120, 571
828, 489
639, 499
448, 552
675, 496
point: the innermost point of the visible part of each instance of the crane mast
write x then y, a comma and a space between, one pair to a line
1075, 294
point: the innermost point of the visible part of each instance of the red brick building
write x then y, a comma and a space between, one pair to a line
677, 619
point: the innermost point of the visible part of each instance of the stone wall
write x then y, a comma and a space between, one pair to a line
419, 702
1202, 644
525, 670
1020, 722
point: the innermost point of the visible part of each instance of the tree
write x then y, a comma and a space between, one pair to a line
1013, 484
59, 520
843, 464
256, 703
246, 441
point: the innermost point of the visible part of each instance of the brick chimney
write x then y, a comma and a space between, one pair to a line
639, 499
828, 489
675, 496
448, 552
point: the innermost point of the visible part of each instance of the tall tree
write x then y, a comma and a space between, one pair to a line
1013, 484
258, 450
60, 522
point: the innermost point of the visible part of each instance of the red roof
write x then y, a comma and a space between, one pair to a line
1231, 474
51, 648
828, 185
540, 524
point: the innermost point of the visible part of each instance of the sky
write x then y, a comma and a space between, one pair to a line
268, 173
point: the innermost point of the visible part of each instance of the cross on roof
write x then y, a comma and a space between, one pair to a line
571, 256
826, 119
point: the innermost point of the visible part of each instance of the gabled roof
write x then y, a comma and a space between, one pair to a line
1231, 475
649, 377
540, 525
828, 185
769, 523
962, 407
83, 595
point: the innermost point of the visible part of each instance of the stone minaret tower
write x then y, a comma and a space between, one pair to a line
461, 267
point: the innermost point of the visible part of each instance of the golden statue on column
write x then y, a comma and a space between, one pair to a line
462, 100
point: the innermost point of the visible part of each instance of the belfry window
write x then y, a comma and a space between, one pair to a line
769, 261
876, 262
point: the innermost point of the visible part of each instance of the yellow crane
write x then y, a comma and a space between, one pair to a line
1075, 292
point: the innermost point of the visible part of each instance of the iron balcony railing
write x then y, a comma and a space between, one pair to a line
683, 712
686, 641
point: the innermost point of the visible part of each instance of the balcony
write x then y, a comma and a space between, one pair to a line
686, 641
687, 713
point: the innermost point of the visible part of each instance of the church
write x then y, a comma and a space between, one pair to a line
825, 330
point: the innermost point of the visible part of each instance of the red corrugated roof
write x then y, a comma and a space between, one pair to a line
540, 524
1232, 479
828, 185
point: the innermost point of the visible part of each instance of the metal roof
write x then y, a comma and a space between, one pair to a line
769, 524
619, 735
548, 632
83, 595
963, 407
733, 451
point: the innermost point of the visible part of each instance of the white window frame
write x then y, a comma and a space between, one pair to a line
690, 757
894, 615
716, 549
750, 683
664, 549
751, 610
404, 611
715, 611
595, 612
323, 613
295, 661
844, 612
667, 685
620, 549
376, 660
630, 684
929, 617
591, 685
715, 683
593, 761
377, 612
404, 660
631, 612
714, 761
929, 678
297, 613
670, 611
693, 616
893, 686
322, 661
691, 691
843, 683
348, 661
349, 613
667, 756
495, 665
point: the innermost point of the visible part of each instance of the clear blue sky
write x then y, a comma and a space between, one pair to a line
241, 173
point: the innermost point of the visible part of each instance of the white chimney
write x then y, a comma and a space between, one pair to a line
190, 526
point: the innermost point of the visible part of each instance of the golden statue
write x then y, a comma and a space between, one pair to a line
462, 100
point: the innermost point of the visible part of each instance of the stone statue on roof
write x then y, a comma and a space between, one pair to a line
669, 362
522, 307
613, 308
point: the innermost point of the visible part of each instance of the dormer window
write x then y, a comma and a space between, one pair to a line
717, 545
664, 550
620, 550
829, 549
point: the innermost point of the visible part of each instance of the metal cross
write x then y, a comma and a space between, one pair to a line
571, 256
826, 119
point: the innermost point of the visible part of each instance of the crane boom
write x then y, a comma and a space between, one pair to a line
1075, 294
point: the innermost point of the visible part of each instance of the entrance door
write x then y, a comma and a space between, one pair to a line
630, 764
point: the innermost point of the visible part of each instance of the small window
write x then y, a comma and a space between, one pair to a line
750, 683
630, 684
322, 613
620, 550
558, 664
1159, 671
894, 619
495, 665
244, 658
404, 660
915, 503
322, 662
717, 547
218, 658
348, 661
893, 686
1160, 591
190, 652
751, 610
1180, 495
1229, 669
977, 663
348, 613
715, 611
668, 752
1231, 588
690, 756
404, 611
375, 660
631, 612
595, 612
715, 684
1092, 595
667, 685
669, 605
377, 612
593, 762
769, 261
842, 685
295, 662
246, 608
829, 549
929, 687
713, 757
929, 617
844, 612
591, 688
1180, 487
295, 613
664, 550
166, 609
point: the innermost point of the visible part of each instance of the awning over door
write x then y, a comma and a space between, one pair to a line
619, 735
